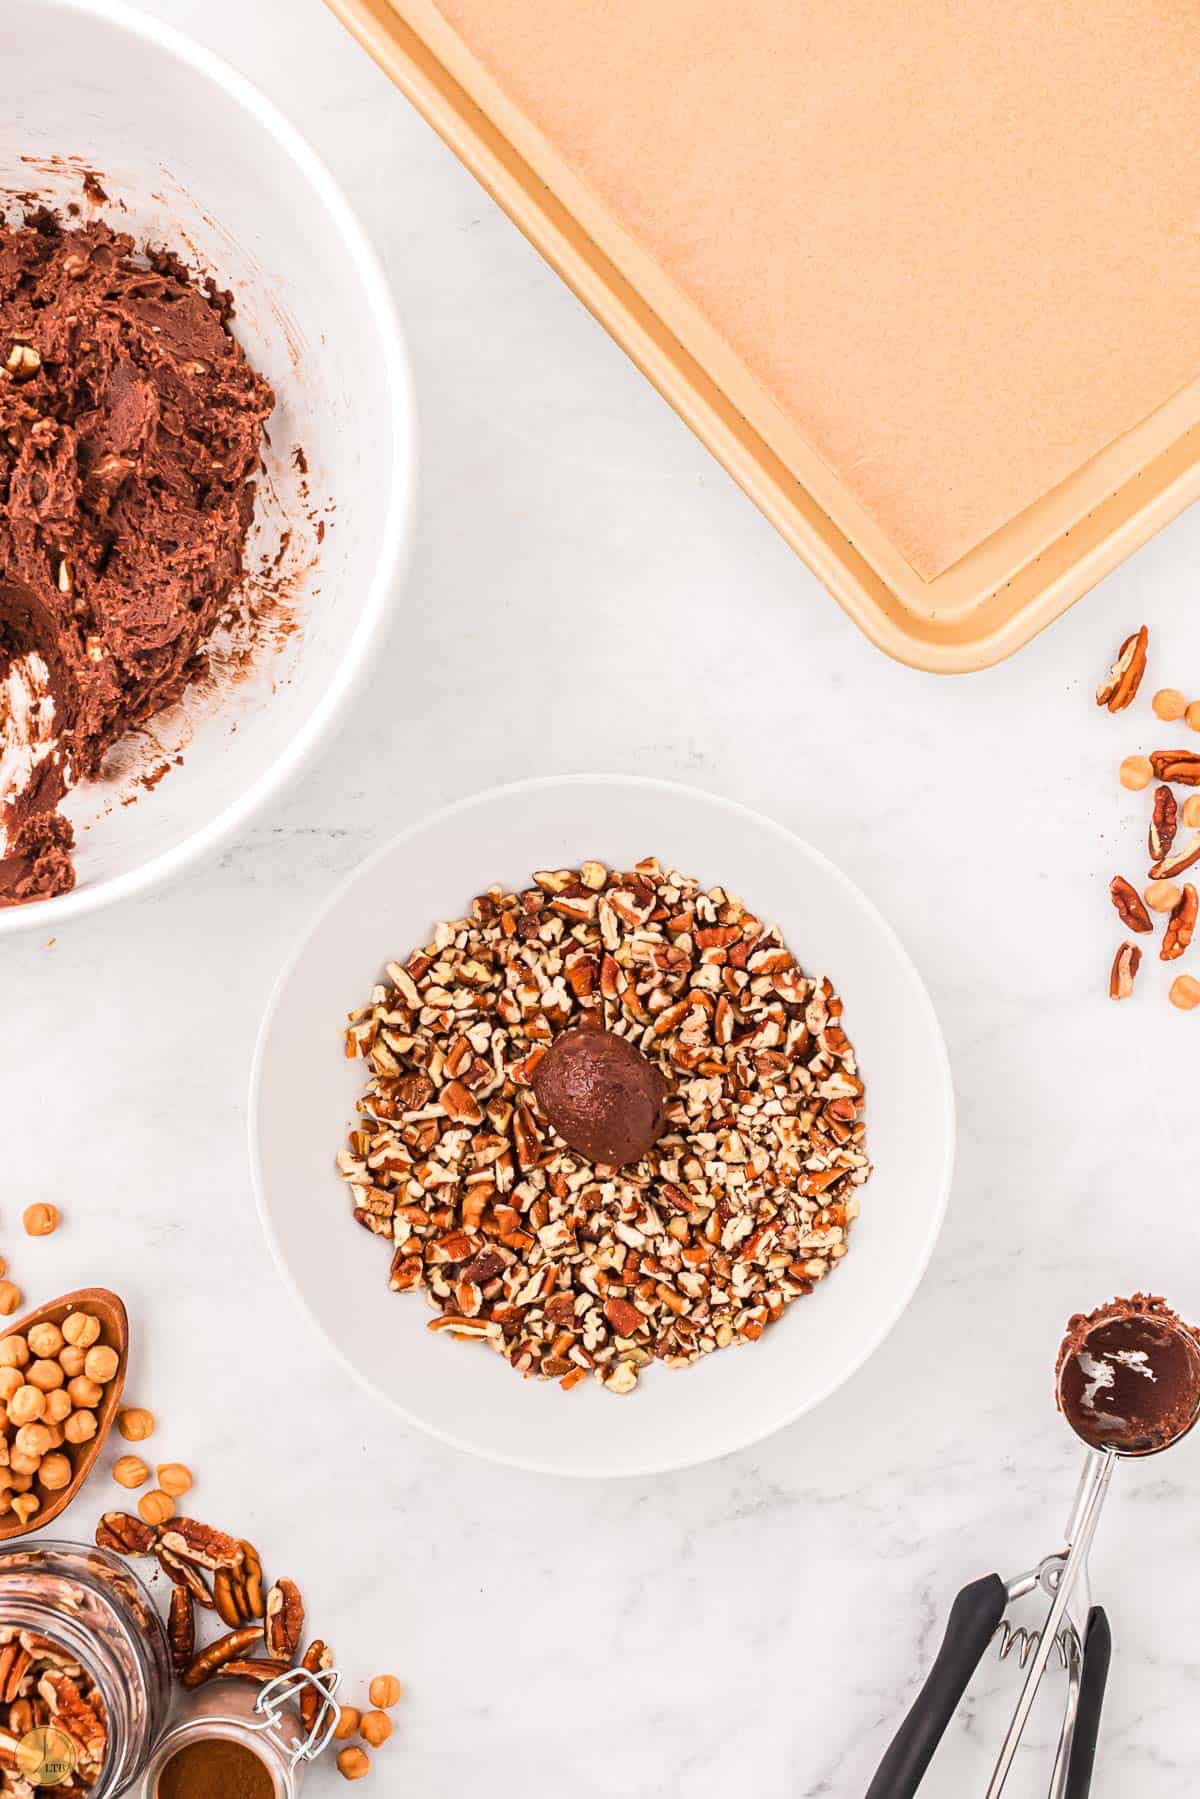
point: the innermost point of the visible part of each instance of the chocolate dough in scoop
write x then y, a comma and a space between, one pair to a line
130, 432
1129, 1376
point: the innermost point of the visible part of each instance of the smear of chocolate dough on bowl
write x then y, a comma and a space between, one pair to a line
130, 438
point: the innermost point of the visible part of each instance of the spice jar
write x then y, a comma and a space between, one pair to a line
93, 1637
234, 1741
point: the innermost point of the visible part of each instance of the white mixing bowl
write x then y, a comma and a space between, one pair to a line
194, 158
303, 1092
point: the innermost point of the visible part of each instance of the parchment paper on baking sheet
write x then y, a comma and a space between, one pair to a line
958, 245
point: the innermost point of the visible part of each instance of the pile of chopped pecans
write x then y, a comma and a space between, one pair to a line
1169, 856
569, 1268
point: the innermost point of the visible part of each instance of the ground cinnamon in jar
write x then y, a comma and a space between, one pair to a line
215, 1768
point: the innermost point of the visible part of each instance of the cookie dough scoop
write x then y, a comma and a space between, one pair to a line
1128, 1383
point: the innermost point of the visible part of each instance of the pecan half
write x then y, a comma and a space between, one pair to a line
252, 1575
1125, 676
237, 1592
1181, 926
283, 1620
15, 1660
1182, 856
229, 1648
181, 1629
1164, 823
77, 1716
1126, 963
317, 1659
185, 1574
1182, 767
124, 1533
187, 1540
258, 1671
1130, 905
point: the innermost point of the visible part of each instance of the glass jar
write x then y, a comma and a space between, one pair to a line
90, 1604
259, 1720
231, 1712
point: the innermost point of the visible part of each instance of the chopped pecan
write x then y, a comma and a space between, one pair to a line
187, 1540
1181, 925
624, 1317
124, 1533
1182, 857
1130, 905
317, 1659
1164, 823
231, 1647
181, 1629
1126, 963
1125, 676
283, 1620
529, 1247
1181, 767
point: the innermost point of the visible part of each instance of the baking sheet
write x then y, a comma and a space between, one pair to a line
924, 278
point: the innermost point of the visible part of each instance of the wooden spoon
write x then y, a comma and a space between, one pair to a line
114, 1332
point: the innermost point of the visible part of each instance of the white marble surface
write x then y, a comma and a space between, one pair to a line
589, 590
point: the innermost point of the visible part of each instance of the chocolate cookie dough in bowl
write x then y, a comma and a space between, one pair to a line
702, 1293
234, 367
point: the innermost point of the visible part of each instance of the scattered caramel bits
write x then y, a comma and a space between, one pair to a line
375, 1729
1185, 992
1162, 896
1169, 704
353, 1763
1191, 811
1192, 716
384, 1691
1136, 773
347, 1725
156, 1507
130, 1471
40, 1219
174, 1479
134, 1422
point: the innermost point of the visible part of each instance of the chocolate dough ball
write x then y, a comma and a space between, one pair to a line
605, 1100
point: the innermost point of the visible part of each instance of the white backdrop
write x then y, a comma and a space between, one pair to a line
590, 590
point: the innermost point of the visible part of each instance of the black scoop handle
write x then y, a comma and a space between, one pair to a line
1097, 1653
969, 1629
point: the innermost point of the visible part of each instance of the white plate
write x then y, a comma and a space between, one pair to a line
303, 1092
194, 158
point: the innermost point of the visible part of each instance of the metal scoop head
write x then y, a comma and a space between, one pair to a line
1128, 1377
